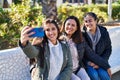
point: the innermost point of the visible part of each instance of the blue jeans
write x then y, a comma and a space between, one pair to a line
97, 74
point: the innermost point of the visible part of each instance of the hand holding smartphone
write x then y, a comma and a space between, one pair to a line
39, 32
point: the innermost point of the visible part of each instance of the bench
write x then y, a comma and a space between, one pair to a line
115, 56
15, 65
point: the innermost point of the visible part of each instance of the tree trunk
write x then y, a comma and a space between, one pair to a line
34, 1
49, 8
5, 4
106, 2
93, 1
72, 1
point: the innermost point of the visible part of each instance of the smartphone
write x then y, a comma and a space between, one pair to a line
39, 32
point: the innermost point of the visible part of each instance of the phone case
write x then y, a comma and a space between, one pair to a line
39, 32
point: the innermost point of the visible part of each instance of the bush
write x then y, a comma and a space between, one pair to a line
116, 11
14, 20
79, 11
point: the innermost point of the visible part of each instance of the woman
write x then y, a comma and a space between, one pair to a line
79, 48
99, 41
53, 58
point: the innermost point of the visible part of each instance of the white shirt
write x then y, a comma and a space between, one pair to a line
56, 60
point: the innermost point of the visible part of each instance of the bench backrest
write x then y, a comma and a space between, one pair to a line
115, 56
14, 65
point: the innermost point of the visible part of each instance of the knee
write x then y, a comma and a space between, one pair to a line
103, 75
88, 78
75, 77
93, 75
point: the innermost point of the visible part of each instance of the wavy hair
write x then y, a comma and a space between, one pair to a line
77, 35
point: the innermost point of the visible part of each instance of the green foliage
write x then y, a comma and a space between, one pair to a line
13, 20
116, 11
17, 1
118, 1
79, 11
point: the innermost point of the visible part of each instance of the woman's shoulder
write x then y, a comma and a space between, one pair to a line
104, 31
81, 44
63, 43
102, 28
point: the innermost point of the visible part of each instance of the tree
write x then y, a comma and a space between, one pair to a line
49, 8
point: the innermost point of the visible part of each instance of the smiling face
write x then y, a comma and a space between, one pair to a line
51, 32
70, 27
90, 23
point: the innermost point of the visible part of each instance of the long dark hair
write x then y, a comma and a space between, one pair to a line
77, 36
